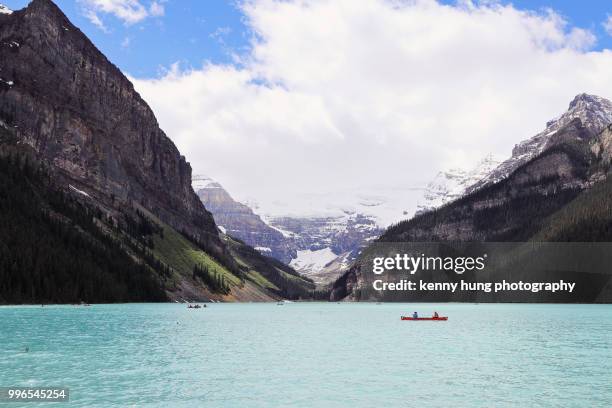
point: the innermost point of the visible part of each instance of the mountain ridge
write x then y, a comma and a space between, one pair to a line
594, 112
534, 202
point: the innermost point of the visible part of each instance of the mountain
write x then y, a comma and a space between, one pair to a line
80, 113
324, 266
558, 194
594, 112
454, 183
326, 245
5, 10
74, 119
320, 247
238, 220
511, 209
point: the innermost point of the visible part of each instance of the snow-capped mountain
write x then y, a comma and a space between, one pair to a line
327, 245
317, 260
321, 242
450, 185
595, 114
323, 265
384, 205
5, 10
320, 246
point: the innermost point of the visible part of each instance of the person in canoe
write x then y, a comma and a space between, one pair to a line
435, 315
415, 315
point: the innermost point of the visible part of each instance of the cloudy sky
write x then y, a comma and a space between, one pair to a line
281, 99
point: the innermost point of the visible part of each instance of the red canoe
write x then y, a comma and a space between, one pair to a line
424, 318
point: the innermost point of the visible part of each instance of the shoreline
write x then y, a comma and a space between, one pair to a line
39, 305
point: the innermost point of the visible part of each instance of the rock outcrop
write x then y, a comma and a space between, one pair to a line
238, 220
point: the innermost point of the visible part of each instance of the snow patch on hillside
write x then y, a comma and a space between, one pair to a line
76, 190
384, 205
312, 261
286, 234
201, 182
5, 10
452, 184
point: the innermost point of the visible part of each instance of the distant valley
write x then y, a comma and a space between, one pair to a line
324, 246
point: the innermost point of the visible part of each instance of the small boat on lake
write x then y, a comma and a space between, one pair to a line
443, 318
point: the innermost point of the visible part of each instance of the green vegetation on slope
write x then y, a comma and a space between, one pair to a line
183, 255
258, 279
240, 262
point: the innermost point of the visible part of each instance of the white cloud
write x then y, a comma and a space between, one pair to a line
220, 33
157, 9
352, 95
128, 11
95, 20
607, 24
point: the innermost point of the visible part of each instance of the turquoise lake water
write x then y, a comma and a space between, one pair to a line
312, 355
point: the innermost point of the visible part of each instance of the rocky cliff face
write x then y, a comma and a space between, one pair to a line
83, 116
602, 149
